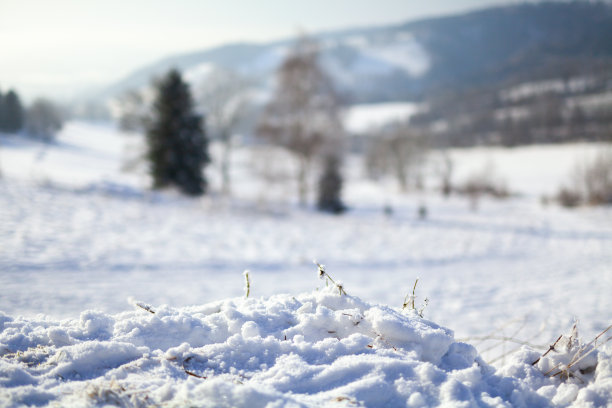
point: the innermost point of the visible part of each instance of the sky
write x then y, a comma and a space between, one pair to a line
64, 48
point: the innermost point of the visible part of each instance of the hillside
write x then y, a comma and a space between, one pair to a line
411, 60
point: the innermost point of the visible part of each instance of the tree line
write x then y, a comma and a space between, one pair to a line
570, 107
41, 119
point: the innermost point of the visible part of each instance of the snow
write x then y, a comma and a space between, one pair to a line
310, 349
79, 237
535, 170
530, 89
364, 117
378, 56
407, 55
198, 74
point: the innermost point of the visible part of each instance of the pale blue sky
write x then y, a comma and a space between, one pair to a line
61, 47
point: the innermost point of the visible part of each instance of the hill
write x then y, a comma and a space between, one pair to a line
412, 60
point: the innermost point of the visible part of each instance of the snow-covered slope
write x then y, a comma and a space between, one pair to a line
376, 64
362, 118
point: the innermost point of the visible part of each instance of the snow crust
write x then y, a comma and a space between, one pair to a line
314, 349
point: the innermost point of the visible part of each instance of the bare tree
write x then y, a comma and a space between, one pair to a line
304, 113
224, 98
272, 166
590, 182
398, 150
444, 169
133, 109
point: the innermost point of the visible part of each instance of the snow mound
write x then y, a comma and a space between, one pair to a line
316, 349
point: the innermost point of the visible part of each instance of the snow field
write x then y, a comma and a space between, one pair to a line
77, 233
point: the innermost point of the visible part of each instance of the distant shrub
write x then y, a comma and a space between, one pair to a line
590, 183
480, 185
568, 197
598, 179
484, 182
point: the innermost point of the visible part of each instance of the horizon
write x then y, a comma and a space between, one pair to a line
78, 54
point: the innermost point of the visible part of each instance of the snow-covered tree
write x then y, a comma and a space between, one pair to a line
176, 141
304, 113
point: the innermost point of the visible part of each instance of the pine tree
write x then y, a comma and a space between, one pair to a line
13, 113
330, 186
177, 144
1, 112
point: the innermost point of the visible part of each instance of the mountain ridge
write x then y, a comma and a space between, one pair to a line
404, 61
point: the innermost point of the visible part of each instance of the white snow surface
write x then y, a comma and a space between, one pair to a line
77, 233
365, 117
313, 349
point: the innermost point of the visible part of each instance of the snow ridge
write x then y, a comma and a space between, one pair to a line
314, 349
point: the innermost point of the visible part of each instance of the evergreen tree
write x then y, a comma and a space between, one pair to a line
1, 112
13, 113
177, 144
330, 186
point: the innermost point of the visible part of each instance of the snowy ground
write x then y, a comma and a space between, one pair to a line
76, 233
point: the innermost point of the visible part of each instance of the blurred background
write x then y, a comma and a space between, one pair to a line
156, 150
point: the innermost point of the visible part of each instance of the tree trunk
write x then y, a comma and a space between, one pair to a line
225, 164
303, 181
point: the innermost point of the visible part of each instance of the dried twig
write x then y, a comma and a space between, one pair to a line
194, 374
582, 353
191, 373
550, 348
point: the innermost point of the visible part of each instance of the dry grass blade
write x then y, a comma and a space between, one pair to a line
248, 284
324, 275
409, 299
580, 355
482, 339
145, 307
502, 339
505, 338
